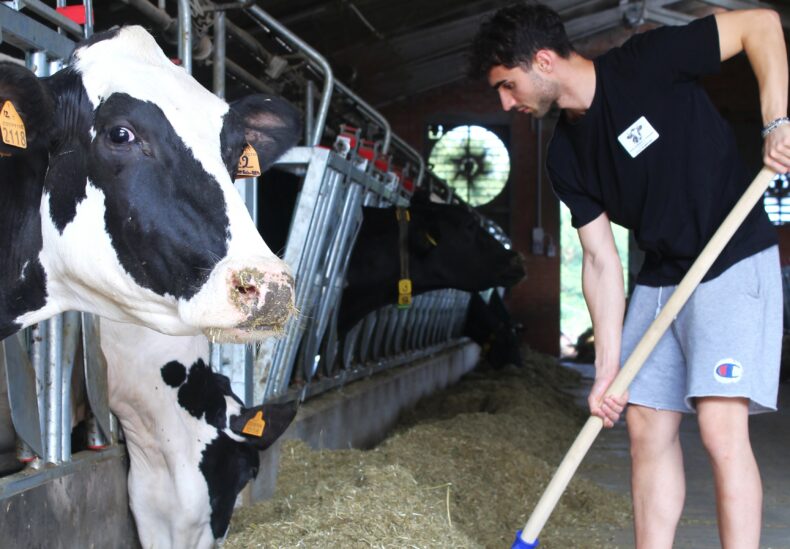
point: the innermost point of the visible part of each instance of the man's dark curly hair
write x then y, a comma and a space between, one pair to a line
513, 35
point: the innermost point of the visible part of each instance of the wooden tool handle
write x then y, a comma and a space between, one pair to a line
594, 424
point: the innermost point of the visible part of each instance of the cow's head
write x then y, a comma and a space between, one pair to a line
192, 445
447, 247
139, 218
452, 250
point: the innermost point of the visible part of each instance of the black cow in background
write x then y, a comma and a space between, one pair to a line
447, 248
489, 325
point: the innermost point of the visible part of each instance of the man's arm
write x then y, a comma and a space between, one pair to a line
602, 283
759, 33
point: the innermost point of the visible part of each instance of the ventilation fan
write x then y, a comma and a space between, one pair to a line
474, 161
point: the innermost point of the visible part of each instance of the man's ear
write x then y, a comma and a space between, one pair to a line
543, 61
271, 125
31, 100
262, 425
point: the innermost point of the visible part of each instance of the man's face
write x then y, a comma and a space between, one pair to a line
524, 90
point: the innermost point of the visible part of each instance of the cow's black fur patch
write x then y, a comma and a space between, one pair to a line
165, 214
174, 373
22, 277
66, 178
203, 394
227, 466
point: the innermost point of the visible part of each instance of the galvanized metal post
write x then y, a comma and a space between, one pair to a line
309, 111
220, 41
88, 27
185, 34
54, 396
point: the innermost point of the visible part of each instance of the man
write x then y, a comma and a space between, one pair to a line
638, 142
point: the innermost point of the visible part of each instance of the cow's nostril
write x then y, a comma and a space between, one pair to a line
245, 286
246, 290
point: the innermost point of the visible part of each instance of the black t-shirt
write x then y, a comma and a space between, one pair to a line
683, 173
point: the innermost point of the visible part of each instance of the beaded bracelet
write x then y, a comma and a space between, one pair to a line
774, 124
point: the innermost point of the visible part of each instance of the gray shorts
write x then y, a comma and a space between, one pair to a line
726, 341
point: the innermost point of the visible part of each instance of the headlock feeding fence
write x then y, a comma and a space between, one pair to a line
350, 160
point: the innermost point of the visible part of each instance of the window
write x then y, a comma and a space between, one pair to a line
777, 200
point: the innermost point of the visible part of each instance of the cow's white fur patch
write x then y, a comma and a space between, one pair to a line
97, 281
168, 493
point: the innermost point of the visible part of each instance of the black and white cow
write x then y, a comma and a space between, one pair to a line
122, 203
447, 248
185, 434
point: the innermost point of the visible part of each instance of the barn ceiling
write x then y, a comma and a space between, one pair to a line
383, 50
387, 50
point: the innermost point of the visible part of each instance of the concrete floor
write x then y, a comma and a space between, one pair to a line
609, 465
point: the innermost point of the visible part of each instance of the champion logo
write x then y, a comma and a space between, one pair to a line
728, 370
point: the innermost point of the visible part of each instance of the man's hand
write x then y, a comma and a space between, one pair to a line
776, 149
610, 407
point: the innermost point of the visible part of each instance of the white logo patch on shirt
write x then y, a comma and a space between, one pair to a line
638, 137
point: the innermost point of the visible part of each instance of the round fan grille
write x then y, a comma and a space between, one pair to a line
474, 161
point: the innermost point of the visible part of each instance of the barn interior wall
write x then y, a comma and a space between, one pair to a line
535, 301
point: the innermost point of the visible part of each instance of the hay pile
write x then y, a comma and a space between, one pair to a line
462, 470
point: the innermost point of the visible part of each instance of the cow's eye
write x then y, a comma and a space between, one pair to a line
121, 135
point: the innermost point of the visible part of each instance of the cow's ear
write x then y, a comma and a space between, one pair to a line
271, 125
262, 425
28, 96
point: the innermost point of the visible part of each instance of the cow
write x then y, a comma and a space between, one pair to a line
489, 325
117, 197
446, 246
192, 445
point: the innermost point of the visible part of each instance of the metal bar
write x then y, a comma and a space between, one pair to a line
185, 35
88, 28
54, 382
220, 42
24, 33
222, 8
317, 60
414, 154
247, 78
47, 13
372, 113
248, 40
309, 110
21, 384
24, 480
71, 336
667, 17
96, 373
158, 15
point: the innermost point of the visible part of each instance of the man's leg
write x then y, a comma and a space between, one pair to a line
724, 426
658, 486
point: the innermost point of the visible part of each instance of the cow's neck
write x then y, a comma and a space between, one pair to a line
22, 277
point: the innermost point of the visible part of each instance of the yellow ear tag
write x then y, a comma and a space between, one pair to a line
255, 425
404, 293
248, 163
12, 126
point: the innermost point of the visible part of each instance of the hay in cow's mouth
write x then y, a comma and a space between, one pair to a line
462, 470
243, 334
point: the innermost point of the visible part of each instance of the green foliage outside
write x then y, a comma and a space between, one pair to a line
574, 318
